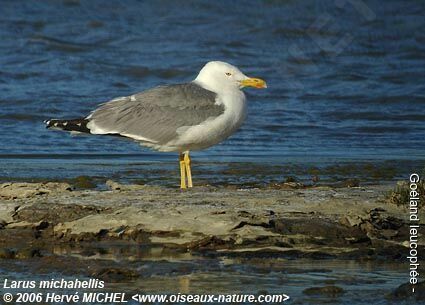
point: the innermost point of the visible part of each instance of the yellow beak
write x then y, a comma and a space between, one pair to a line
254, 82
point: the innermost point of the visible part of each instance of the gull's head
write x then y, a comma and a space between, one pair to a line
219, 76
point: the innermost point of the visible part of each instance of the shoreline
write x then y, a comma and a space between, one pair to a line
219, 173
289, 220
133, 236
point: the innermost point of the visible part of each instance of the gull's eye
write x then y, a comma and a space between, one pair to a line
228, 74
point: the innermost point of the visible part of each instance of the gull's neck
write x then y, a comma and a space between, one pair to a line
230, 96
212, 85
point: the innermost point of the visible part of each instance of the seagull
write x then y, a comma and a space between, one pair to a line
174, 118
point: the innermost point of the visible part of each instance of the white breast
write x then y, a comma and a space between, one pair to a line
213, 131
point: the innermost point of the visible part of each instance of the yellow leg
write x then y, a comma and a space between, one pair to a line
182, 171
188, 170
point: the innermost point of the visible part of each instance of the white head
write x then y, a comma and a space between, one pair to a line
219, 76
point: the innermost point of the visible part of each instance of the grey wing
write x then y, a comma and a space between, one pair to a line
156, 115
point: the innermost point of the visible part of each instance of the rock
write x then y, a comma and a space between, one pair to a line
400, 194
208, 243
58, 187
115, 186
388, 233
289, 185
325, 290
318, 231
404, 292
7, 210
351, 220
293, 184
43, 216
27, 253
389, 249
290, 179
116, 274
368, 228
249, 234
351, 183
213, 221
84, 182
20, 190
190, 224
6, 253
315, 178
20, 225
41, 225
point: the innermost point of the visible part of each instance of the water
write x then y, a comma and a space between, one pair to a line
361, 100
343, 99
363, 282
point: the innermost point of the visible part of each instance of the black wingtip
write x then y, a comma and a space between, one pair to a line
78, 125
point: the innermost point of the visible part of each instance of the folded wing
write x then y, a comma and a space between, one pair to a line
156, 115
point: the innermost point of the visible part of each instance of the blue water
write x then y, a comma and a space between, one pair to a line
346, 82
346, 93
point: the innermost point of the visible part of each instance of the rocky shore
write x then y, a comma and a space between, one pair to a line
53, 223
289, 220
